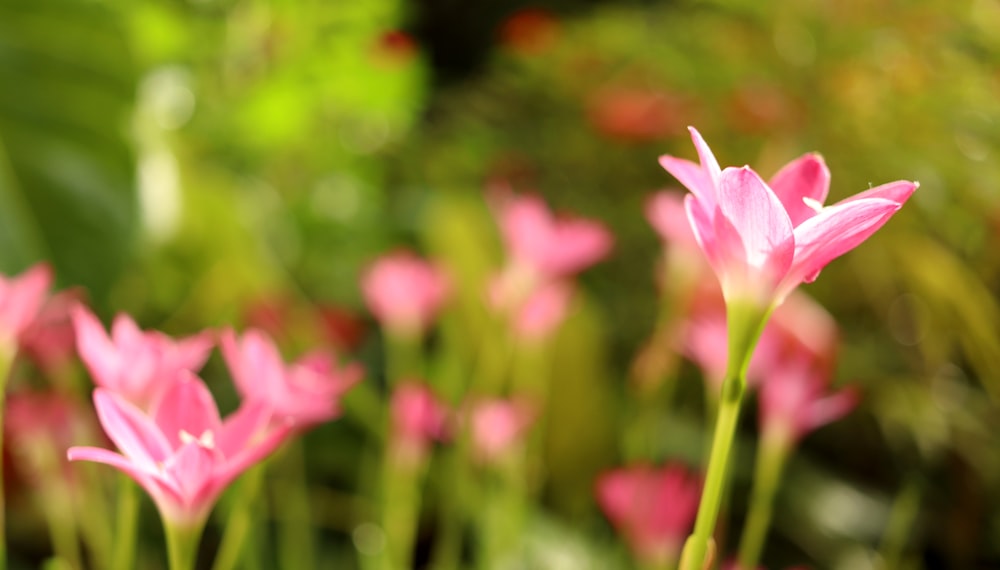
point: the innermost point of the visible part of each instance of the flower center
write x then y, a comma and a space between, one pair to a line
205, 440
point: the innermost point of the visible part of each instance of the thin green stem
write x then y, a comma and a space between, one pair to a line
404, 357
126, 524
771, 458
744, 323
905, 510
239, 521
296, 541
182, 544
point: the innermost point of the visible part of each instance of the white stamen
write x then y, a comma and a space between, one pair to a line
207, 439
814, 204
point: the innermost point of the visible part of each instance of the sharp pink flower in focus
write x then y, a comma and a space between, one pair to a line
304, 393
183, 454
135, 364
763, 240
418, 419
404, 292
497, 426
21, 298
652, 508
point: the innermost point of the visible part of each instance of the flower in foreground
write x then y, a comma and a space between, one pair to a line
21, 298
304, 393
653, 508
762, 239
135, 364
404, 292
183, 454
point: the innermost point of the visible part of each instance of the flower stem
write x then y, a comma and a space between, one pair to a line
126, 525
296, 541
182, 544
239, 521
771, 459
745, 322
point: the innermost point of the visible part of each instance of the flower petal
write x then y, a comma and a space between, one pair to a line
95, 348
134, 433
160, 491
691, 176
187, 406
830, 409
803, 180
754, 234
898, 191
832, 233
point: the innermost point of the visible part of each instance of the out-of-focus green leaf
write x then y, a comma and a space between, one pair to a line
66, 172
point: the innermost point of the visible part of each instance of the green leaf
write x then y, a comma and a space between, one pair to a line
66, 172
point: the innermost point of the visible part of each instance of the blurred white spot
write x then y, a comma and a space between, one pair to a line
159, 193
368, 538
166, 94
813, 204
794, 43
845, 511
972, 146
336, 197
365, 136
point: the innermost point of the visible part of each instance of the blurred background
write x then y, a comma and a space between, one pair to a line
204, 162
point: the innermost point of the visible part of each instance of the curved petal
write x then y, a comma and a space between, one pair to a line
691, 176
755, 236
898, 191
191, 469
700, 221
134, 433
832, 233
189, 353
830, 409
254, 363
805, 179
187, 406
95, 348
254, 452
242, 427
708, 162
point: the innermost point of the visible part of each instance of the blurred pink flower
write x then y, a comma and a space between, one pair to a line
303, 393
497, 426
549, 247
794, 399
666, 213
542, 313
652, 508
50, 341
404, 292
21, 298
631, 114
800, 324
418, 419
137, 365
764, 240
39, 427
183, 454
529, 31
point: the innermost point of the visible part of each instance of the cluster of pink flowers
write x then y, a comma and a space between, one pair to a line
166, 424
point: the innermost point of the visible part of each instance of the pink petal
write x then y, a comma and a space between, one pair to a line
241, 427
147, 479
708, 162
124, 331
831, 408
832, 233
135, 434
187, 406
666, 213
753, 233
190, 353
700, 221
806, 178
23, 299
898, 191
191, 470
95, 349
254, 452
254, 362
691, 176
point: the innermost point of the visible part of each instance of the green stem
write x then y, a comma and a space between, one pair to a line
400, 510
771, 458
404, 358
126, 524
296, 543
239, 521
904, 512
182, 544
745, 322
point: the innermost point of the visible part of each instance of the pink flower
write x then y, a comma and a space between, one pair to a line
764, 240
183, 454
304, 393
653, 508
542, 313
39, 425
665, 211
404, 292
497, 426
794, 401
547, 246
418, 419
21, 298
50, 341
137, 365
799, 325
